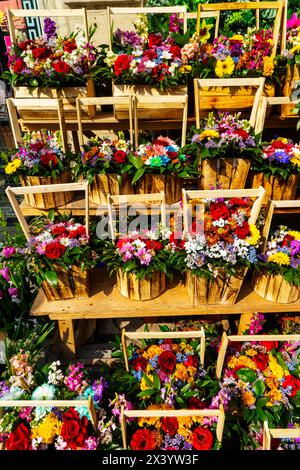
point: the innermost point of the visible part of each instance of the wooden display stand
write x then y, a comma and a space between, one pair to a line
277, 433
246, 338
172, 414
162, 335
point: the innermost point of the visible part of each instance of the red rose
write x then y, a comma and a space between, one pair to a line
19, 439
287, 240
122, 63
291, 381
18, 65
219, 210
191, 361
167, 362
172, 155
170, 426
153, 245
58, 230
70, 45
40, 53
269, 345
49, 159
74, 429
202, 439
260, 360
61, 67
143, 439
243, 231
119, 156
54, 250
140, 363
196, 404
175, 50
154, 40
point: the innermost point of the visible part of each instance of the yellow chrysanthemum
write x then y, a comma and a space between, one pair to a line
279, 258
248, 398
241, 361
186, 433
144, 385
254, 238
295, 233
197, 419
185, 422
153, 421
12, 167
284, 140
296, 159
275, 395
224, 67
251, 352
158, 438
192, 371
152, 351
268, 66
48, 429
275, 368
209, 134
181, 372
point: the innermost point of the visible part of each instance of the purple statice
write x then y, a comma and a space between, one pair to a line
173, 442
49, 28
281, 156
129, 38
211, 144
295, 263
4, 388
295, 247
98, 387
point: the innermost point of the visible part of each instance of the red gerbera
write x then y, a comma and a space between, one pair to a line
18, 65
202, 439
58, 230
153, 245
143, 439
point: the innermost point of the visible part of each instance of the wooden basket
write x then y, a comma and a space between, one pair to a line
105, 184
229, 173
72, 283
223, 290
292, 78
278, 433
170, 184
276, 187
275, 288
141, 289
149, 110
47, 200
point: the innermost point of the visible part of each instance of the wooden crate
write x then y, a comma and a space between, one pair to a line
47, 200
292, 80
229, 173
170, 184
278, 433
72, 283
148, 110
133, 288
105, 184
276, 188
275, 288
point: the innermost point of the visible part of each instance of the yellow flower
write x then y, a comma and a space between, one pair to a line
275, 368
241, 361
254, 238
186, 433
152, 351
279, 258
284, 140
144, 385
181, 372
158, 437
48, 429
13, 166
153, 421
251, 352
248, 398
224, 67
209, 134
185, 421
275, 395
296, 159
268, 66
295, 234
204, 33
237, 37
197, 419
1, 17
185, 68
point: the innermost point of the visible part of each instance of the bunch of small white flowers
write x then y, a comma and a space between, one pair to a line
55, 375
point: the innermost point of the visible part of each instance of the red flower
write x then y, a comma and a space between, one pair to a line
191, 361
18, 65
119, 156
154, 40
196, 404
287, 240
74, 429
19, 439
122, 63
78, 232
140, 363
242, 133
49, 159
54, 250
23, 45
235, 369
150, 54
219, 210
175, 50
122, 242
58, 230
37, 146
40, 53
170, 425
202, 439
167, 362
243, 231
269, 345
70, 45
260, 360
61, 67
172, 155
153, 245
293, 382
143, 439
238, 201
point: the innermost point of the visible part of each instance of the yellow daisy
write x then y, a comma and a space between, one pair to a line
279, 258
224, 67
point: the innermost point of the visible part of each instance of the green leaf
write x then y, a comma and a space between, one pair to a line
180, 401
147, 380
138, 175
51, 278
259, 387
145, 393
156, 381
246, 375
186, 388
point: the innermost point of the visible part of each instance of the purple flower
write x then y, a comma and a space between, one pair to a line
13, 291
98, 388
295, 263
5, 274
3, 388
8, 251
281, 156
295, 247
49, 28
144, 256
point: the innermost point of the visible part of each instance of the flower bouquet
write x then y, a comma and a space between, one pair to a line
217, 254
52, 427
105, 163
277, 168
40, 160
277, 276
224, 147
141, 263
52, 67
161, 166
61, 259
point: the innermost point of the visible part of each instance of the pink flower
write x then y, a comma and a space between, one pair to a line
5, 274
293, 22
144, 256
159, 149
8, 251
13, 291
127, 255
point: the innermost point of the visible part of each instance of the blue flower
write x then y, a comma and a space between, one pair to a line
281, 156
252, 255
44, 392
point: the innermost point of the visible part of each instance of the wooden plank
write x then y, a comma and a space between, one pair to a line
67, 337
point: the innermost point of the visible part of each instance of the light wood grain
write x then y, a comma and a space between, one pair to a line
277, 433
141, 289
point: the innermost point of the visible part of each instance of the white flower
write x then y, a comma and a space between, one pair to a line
138, 244
44, 392
149, 64
172, 68
137, 52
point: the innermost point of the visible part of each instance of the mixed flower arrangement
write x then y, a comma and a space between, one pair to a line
282, 255
225, 241
224, 135
174, 433
263, 380
292, 51
51, 60
280, 157
59, 245
39, 155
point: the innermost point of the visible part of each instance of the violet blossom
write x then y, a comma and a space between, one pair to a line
5, 273
8, 251
49, 28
